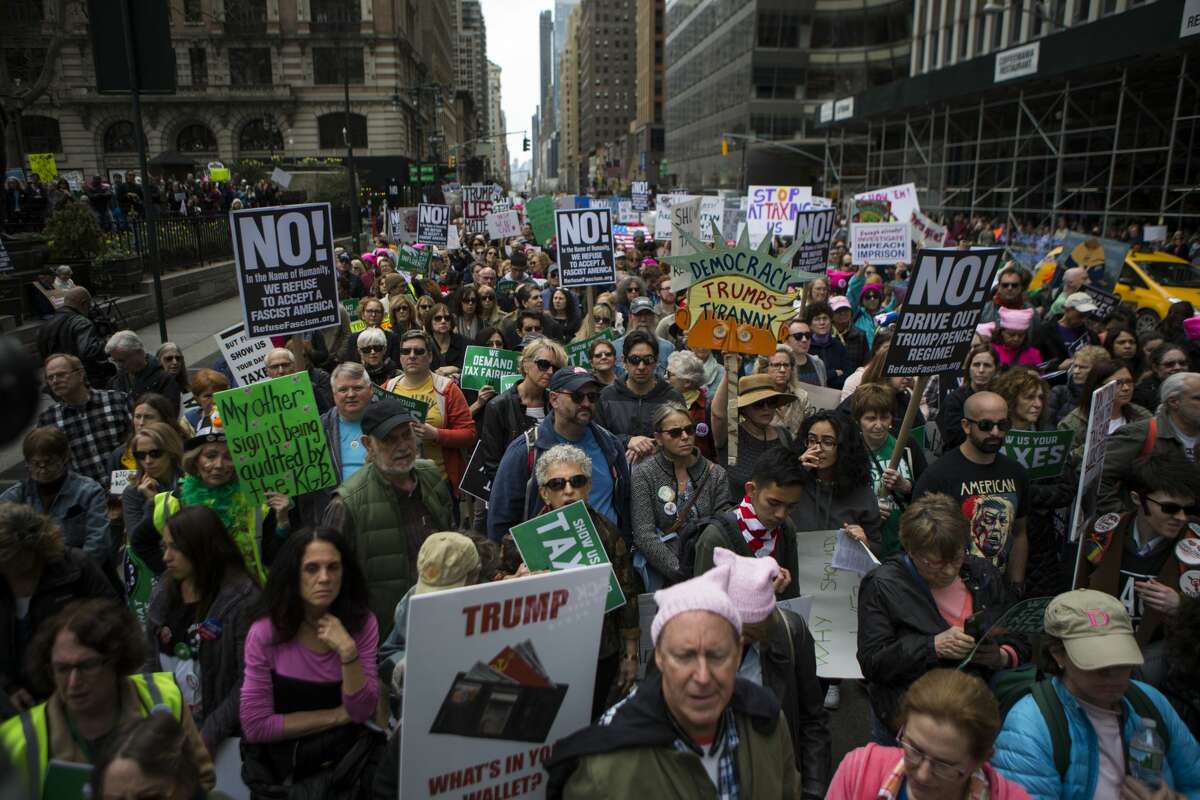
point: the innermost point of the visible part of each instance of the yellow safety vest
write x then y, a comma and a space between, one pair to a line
26, 738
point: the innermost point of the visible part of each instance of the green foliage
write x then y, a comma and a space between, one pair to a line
73, 233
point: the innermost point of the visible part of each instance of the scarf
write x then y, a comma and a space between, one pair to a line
760, 540
235, 512
821, 339
977, 790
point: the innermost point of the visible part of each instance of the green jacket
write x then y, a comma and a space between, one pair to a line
373, 511
713, 536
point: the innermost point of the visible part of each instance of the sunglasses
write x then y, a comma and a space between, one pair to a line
604, 320
373, 348
770, 402
487, 298
871, 296
1010, 286
579, 397
424, 307
545, 365
172, 358
412, 351
558, 484
443, 318
157, 453
603, 354
681, 430
801, 336
640, 361
532, 329
468, 301
986, 425
1171, 509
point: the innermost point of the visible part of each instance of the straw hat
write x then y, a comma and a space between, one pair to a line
753, 388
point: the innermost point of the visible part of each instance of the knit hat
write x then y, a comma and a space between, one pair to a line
1016, 319
708, 592
872, 287
751, 583
985, 330
838, 279
1191, 328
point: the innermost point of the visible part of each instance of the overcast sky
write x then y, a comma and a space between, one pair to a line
512, 42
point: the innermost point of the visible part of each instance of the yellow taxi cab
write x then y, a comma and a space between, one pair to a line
1150, 281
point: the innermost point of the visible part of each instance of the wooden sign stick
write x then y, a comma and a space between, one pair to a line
910, 413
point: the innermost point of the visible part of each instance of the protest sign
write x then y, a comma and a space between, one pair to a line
1106, 302
625, 212
477, 202
433, 224
566, 538
503, 225
585, 247
1093, 463
485, 366
413, 261
43, 165
902, 199
662, 216
712, 210
640, 193
880, 242
834, 618
1043, 454
1154, 233
118, 479
771, 210
286, 275
813, 234
577, 352
1104, 259
926, 232
934, 329
418, 408
276, 437
540, 213
475, 480
281, 177
494, 675
1027, 617
508, 381
685, 219
246, 357
453, 240
402, 225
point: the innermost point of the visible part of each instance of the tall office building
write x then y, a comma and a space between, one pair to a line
569, 163
646, 130
472, 58
607, 73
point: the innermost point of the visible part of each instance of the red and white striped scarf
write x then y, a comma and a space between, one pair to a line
760, 540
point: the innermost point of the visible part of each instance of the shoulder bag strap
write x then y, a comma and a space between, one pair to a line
1056, 722
681, 517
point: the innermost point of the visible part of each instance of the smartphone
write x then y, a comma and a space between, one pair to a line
973, 627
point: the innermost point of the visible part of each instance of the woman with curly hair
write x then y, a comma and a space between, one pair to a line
837, 492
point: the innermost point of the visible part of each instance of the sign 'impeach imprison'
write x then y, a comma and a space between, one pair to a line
286, 274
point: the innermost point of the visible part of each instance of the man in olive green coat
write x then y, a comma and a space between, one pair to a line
695, 730
388, 508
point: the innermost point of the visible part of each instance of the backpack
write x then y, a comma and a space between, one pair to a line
1010, 686
689, 535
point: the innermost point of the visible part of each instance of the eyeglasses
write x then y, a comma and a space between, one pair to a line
558, 484
986, 425
487, 298
152, 453
915, 756
87, 666
603, 354
633, 290
442, 318
468, 301
603, 320
941, 564
681, 430
424, 307
172, 358
51, 377
871, 296
1010, 286
823, 442
413, 351
802, 335
579, 397
543, 364
784, 365
372, 348
1171, 509
1123, 382
640, 361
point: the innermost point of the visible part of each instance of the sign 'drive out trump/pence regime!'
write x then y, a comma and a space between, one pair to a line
285, 268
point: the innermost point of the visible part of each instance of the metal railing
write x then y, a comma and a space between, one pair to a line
182, 241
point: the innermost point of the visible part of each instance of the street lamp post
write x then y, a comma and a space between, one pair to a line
355, 210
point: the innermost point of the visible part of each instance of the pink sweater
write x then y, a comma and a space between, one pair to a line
863, 771
263, 656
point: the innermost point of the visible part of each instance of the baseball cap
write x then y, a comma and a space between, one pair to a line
571, 379
1094, 628
446, 561
641, 306
838, 302
1081, 302
383, 417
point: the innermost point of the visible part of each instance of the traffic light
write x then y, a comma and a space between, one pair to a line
724, 146
453, 160
525, 144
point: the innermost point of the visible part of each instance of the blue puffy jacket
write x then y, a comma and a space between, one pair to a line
1024, 752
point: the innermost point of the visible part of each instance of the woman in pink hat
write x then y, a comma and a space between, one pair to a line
1010, 339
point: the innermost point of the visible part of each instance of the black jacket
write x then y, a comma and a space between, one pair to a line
855, 342
151, 379
504, 419
949, 419
70, 332
350, 351
75, 576
1050, 344
454, 356
626, 414
898, 620
322, 388
837, 361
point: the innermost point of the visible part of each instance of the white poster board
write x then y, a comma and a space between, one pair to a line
880, 242
469, 731
245, 356
903, 199
771, 210
833, 621
503, 225
1093, 461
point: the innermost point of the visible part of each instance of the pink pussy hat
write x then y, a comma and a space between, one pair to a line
1016, 319
751, 584
707, 592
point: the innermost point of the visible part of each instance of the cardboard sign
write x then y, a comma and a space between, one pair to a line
245, 357
119, 479
402, 225
279, 176
625, 212
946, 294
640, 193
43, 165
540, 213
509, 381
902, 199
662, 215
453, 239
504, 225
685, 223
834, 617
485, 366
418, 408
477, 202
285, 268
433, 223
813, 234
1093, 461
585, 247
771, 210
566, 538
475, 480
276, 437
712, 209
1043, 454
494, 676
1106, 302
880, 242
1156, 233
577, 352
926, 232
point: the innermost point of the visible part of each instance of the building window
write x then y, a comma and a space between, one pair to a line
41, 134
196, 139
249, 66
335, 16
243, 17
329, 128
25, 63
198, 58
778, 29
329, 63
260, 134
120, 138
22, 12
192, 12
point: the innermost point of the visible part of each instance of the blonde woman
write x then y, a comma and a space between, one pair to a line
781, 367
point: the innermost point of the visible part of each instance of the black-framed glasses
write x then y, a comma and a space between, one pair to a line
824, 442
442, 318
413, 351
172, 358
487, 298
679, 430
470, 300
986, 425
531, 329
558, 484
579, 397
800, 336
422, 307
914, 756
151, 453
641, 361
1171, 509
543, 364
87, 666
372, 348
872, 295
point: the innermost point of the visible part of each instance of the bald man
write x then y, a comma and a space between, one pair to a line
991, 489
71, 331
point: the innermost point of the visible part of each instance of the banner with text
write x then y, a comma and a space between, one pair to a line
577, 352
246, 357
1043, 454
833, 620
903, 199
927, 233
485, 366
813, 234
1106, 302
540, 213
402, 225
433, 224
880, 242
640, 194
685, 222
947, 290
566, 538
771, 210
286, 275
503, 225
585, 247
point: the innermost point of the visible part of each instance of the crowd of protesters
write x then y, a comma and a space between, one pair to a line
283, 624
